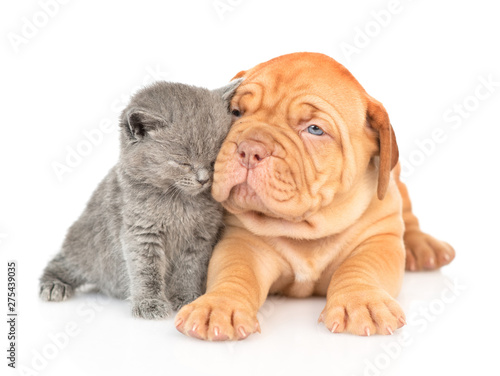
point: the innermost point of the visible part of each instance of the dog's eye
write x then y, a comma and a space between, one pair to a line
315, 130
236, 113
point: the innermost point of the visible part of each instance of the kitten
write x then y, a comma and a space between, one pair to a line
148, 231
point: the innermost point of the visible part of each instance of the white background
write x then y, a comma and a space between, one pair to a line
76, 71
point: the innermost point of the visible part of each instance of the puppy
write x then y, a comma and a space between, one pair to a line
308, 175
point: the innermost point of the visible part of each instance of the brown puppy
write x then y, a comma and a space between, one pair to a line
313, 208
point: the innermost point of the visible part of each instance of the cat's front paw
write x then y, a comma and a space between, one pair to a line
151, 309
180, 300
55, 291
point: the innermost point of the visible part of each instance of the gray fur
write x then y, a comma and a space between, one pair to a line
148, 231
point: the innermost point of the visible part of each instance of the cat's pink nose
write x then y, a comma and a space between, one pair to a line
251, 153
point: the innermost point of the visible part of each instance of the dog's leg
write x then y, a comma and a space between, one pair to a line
360, 296
422, 250
240, 274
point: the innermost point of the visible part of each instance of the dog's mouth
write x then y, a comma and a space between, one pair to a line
267, 190
243, 198
244, 201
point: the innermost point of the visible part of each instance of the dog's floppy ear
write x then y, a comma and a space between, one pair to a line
378, 119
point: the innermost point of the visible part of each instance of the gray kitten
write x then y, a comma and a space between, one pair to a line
148, 231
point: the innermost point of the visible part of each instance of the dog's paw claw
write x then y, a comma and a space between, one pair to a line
364, 313
215, 318
424, 252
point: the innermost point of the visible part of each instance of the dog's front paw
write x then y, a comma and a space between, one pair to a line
216, 318
426, 252
55, 291
362, 313
151, 309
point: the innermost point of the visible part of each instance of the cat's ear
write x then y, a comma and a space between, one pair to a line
227, 92
138, 122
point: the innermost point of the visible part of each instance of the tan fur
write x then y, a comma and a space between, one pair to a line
307, 214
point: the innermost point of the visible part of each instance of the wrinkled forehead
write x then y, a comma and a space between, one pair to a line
300, 86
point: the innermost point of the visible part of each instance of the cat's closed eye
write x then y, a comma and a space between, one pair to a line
184, 166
